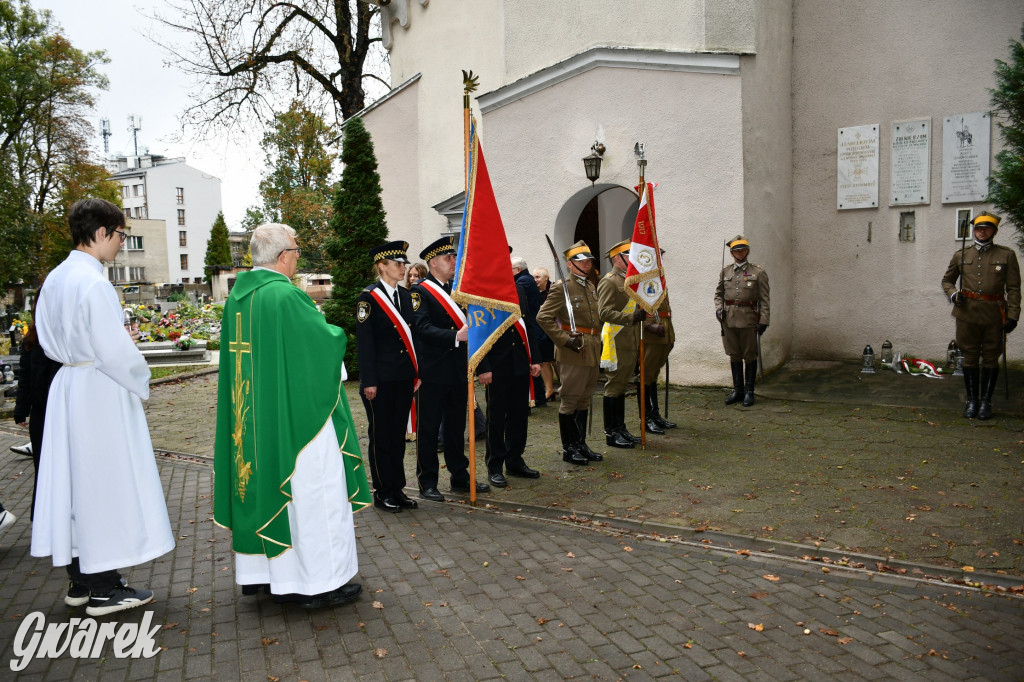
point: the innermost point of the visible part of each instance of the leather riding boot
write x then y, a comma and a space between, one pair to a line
737, 383
748, 390
971, 386
581, 444
651, 424
989, 375
569, 434
612, 435
652, 391
620, 416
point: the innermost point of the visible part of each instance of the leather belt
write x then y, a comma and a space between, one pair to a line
982, 297
748, 304
582, 330
661, 313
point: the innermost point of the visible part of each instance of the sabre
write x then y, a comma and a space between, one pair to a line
565, 287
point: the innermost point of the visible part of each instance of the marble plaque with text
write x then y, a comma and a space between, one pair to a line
910, 162
857, 167
966, 145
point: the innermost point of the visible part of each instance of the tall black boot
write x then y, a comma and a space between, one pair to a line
620, 413
737, 383
612, 435
581, 444
748, 390
989, 375
971, 386
652, 391
567, 429
650, 425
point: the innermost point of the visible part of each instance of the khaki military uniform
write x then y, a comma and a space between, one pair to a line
991, 283
656, 348
611, 299
578, 370
743, 294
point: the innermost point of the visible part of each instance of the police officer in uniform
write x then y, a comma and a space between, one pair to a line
577, 352
659, 338
620, 347
986, 308
440, 338
742, 307
387, 372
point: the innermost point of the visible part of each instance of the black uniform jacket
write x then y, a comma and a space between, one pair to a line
507, 357
382, 353
441, 362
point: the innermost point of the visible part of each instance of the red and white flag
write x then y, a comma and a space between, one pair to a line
645, 277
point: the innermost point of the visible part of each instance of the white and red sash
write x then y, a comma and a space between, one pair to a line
388, 306
521, 328
442, 297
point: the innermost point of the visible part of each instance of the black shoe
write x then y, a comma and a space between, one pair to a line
652, 427
498, 480
432, 494
254, 590
405, 502
120, 598
617, 439
573, 456
464, 488
388, 504
346, 594
522, 471
78, 595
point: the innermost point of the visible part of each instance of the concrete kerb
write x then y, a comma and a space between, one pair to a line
185, 375
791, 553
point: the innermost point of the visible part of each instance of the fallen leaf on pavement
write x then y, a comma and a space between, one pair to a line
773, 578
377, 605
380, 652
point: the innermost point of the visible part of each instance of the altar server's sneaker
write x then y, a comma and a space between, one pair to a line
118, 599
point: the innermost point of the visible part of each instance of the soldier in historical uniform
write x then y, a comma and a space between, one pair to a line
387, 372
620, 334
742, 307
659, 337
440, 333
577, 352
986, 308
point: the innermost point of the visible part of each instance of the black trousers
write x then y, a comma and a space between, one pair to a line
508, 413
439, 402
388, 414
97, 583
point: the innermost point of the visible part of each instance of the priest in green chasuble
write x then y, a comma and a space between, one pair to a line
288, 473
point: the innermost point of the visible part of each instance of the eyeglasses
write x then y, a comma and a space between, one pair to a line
297, 250
123, 235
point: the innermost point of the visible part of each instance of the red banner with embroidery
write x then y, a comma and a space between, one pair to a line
521, 328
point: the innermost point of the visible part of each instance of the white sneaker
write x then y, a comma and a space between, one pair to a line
24, 450
7, 520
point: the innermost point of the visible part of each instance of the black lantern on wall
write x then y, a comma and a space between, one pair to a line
592, 162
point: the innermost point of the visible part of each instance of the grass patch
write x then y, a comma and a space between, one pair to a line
162, 372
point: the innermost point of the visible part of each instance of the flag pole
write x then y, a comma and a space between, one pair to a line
641, 163
469, 84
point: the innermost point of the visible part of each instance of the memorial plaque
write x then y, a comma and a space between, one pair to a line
857, 167
910, 162
966, 143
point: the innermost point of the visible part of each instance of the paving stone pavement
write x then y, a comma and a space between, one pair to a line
460, 593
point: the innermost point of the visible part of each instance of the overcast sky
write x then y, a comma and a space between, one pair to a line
140, 84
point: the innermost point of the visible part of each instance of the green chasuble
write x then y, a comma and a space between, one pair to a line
279, 384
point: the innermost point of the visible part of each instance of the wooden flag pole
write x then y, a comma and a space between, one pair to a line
469, 84
641, 163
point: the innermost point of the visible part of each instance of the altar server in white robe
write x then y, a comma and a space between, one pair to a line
100, 505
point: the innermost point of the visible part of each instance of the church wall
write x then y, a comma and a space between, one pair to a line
691, 124
865, 62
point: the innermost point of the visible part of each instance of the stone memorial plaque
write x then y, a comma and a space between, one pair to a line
910, 162
857, 167
966, 145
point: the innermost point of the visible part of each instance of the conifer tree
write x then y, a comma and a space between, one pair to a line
1006, 183
218, 249
357, 224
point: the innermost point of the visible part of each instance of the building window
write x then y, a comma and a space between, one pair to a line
181, 194
137, 274
138, 212
184, 261
126, 191
182, 238
127, 213
184, 280
137, 190
181, 216
115, 273
133, 243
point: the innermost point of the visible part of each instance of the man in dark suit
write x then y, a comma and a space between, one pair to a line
527, 287
440, 333
506, 373
387, 372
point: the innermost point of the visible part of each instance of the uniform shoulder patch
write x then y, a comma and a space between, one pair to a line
362, 311
415, 300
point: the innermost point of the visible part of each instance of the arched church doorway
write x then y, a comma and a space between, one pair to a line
601, 215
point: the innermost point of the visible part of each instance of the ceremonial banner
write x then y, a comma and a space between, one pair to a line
483, 279
645, 277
